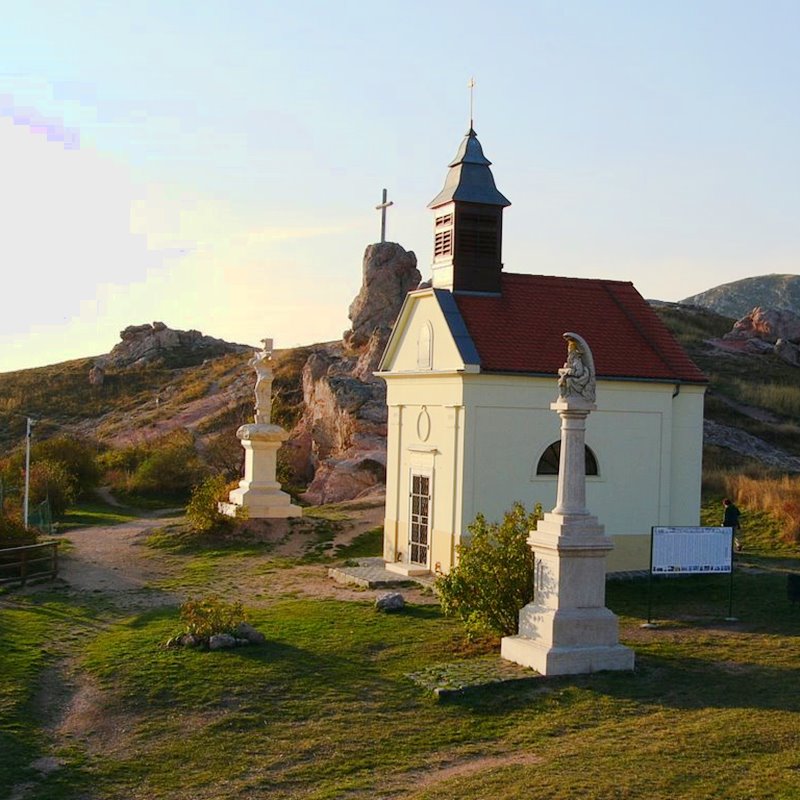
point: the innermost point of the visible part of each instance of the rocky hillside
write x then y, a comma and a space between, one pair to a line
157, 380
753, 400
739, 297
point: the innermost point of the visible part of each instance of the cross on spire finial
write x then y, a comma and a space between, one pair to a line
382, 208
471, 87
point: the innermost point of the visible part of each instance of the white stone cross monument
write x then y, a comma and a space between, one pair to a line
259, 493
567, 629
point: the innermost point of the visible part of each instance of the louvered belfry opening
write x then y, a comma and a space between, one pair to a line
468, 224
443, 242
478, 240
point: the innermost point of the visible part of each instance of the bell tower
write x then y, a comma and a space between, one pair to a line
468, 224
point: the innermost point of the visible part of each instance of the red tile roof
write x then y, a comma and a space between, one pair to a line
521, 330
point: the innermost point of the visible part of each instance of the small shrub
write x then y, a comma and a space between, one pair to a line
204, 617
13, 532
493, 579
202, 511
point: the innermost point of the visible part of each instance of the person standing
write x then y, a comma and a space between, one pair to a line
730, 519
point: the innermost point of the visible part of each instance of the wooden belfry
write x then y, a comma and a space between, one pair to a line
468, 226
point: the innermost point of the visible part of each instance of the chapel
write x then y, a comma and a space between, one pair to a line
471, 369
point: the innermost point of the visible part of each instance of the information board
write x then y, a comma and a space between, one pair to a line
691, 550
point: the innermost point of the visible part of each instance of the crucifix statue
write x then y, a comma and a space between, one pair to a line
262, 364
382, 208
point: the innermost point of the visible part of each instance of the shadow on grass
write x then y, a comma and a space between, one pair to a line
656, 682
758, 601
86, 515
694, 660
179, 540
365, 545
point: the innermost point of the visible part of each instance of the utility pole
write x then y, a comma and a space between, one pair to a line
29, 425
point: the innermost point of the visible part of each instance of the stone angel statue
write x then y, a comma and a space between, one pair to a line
576, 379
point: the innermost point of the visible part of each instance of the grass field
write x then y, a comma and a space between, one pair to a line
326, 708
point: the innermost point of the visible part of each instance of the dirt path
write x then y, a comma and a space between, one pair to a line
114, 561
115, 565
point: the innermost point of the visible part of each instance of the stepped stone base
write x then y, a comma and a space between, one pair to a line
259, 494
576, 660
260, 501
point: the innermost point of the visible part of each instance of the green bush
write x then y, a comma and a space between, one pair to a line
493, 579
223, 453
62, 468
51, 480
205, 616
123, 459
202, 511
78, 457
170, 469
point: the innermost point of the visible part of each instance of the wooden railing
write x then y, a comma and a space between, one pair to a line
30, 561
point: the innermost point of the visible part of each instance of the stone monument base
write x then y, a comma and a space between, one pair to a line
567, 630
268, 505
567, 659
259, 494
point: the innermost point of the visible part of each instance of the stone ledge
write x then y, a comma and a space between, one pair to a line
457, 678
372, 574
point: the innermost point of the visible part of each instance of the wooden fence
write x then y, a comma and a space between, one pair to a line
18, 564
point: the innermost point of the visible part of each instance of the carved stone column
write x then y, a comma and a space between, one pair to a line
567, 629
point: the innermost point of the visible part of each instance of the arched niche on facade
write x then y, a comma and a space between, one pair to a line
425, 346
548, 461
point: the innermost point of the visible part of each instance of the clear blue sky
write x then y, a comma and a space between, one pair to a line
216, 165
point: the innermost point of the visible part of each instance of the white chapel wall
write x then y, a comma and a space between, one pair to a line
687, 455
509, 424
424, 438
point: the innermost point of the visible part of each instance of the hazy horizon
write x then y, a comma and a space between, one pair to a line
218, 169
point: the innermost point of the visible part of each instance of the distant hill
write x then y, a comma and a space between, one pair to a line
740, 297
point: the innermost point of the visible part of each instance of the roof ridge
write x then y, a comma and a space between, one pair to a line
567, 278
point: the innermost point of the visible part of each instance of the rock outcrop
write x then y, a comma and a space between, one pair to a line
144, 344
769, 330
389, 272
340, 442
767, 324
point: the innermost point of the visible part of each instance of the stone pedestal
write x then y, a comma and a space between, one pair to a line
567, 629
259, 493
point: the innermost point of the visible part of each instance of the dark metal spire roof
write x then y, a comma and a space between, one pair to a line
469, 179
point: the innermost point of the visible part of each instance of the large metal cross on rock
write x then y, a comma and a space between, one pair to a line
382, 208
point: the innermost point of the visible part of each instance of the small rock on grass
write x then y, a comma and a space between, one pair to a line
244, 630
219, 641
390, 601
